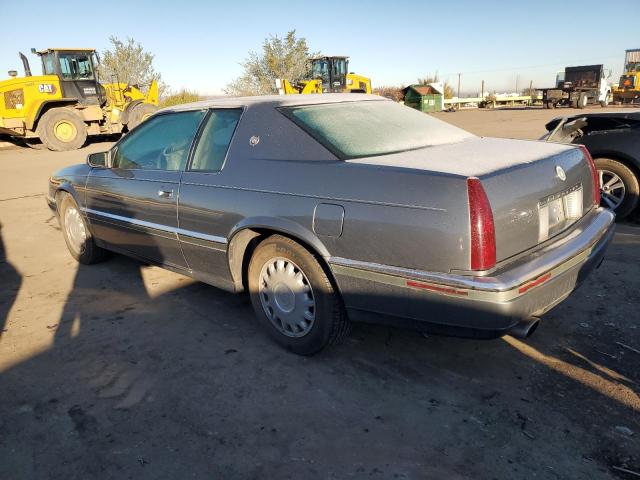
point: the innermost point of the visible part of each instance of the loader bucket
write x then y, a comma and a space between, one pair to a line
152, 95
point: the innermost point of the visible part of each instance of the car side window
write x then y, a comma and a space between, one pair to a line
160, 143
214, 141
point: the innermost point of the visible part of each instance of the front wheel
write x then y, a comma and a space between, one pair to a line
62, 129
293, 297
619, 189
76, 233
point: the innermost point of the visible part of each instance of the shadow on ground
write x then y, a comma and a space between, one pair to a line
183, 383
36, 144
9, 287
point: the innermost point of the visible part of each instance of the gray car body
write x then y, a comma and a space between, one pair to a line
392, 231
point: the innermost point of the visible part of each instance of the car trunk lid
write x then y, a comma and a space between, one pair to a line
536, 189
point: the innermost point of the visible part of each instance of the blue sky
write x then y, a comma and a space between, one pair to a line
200, 44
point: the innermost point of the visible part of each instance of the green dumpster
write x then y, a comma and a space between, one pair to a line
424, 98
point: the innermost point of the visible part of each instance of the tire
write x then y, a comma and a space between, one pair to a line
85, 251
583, 101
62, 129
605, 103
629, 193
294, 298
139, 113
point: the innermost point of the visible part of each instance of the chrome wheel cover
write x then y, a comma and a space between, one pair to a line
287, 297
612, 189
75, 229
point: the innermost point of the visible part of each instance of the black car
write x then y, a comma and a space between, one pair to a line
613, 139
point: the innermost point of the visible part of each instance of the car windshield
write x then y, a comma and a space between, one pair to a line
369, 128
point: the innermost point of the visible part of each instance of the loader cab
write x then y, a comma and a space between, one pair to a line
332, 71
76, 70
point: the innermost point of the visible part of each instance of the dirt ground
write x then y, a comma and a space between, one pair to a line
125, 371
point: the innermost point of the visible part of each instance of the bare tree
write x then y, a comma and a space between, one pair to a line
128, 62
394, 93
286, 57
448, 90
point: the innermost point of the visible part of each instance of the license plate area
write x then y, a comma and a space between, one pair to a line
558, 211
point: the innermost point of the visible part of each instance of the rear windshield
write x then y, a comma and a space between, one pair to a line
369, 128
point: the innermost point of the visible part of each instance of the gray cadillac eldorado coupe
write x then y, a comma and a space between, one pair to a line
336, 208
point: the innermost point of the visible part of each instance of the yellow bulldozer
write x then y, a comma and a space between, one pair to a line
67, 102
328, 75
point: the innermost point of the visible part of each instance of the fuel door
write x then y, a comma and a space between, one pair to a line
328, 219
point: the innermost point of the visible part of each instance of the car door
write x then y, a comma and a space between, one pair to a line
205, 207
132, 205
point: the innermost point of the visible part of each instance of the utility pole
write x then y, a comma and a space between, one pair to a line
482, 90
517, 78
459, 90
531, 92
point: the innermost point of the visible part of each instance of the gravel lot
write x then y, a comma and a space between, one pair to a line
122, 370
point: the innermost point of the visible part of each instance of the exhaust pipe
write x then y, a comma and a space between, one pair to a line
525, 328
25, 64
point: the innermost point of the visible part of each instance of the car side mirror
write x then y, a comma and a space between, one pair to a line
98, 160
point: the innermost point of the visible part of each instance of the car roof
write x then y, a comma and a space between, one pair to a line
276, 101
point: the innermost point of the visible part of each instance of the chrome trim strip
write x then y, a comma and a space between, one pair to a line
201, 236
157, 226
434, 277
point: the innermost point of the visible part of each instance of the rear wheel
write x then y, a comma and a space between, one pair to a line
293, 297
619, 189
62, 129
76, 233
139, 114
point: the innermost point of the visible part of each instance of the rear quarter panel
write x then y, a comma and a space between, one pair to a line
397, 217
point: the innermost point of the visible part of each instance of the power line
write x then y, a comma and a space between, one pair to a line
533, 66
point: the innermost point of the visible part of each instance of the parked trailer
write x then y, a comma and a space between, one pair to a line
578, 87
492, 102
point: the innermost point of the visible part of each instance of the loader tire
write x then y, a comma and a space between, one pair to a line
62, 129
139, 114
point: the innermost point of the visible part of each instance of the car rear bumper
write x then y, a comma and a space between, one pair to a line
466, 305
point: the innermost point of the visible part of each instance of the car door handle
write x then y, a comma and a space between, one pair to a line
165, 193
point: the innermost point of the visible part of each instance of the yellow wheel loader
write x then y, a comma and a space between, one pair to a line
328, 75
66, 103
628, 90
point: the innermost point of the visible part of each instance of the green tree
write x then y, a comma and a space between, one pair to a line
128, 62
448, 91
286, 57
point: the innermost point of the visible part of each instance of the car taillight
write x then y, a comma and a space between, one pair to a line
594, 175
483, 233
